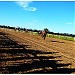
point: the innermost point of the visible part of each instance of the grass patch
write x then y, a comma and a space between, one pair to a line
61, 37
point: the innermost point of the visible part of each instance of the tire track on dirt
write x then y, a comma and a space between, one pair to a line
28, 40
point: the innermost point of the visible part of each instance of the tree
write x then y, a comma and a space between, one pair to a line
46, 30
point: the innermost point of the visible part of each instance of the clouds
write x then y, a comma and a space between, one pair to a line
25, 5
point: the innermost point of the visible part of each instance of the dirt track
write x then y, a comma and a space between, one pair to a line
27, 53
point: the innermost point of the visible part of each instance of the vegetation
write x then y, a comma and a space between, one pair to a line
46, 30
69, 38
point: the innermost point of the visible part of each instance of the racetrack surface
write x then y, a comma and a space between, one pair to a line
21, 52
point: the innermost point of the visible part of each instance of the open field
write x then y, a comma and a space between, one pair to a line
21, 52
69, 38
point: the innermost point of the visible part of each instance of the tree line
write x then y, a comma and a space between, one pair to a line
35, 30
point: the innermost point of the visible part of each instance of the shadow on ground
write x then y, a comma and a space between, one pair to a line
37, 64
57, 41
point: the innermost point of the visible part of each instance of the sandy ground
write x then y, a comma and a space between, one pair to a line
21, 52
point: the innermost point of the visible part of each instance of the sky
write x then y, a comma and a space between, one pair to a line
57, 16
